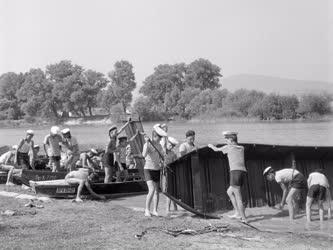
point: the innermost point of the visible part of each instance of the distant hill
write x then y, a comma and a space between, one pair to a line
278, 85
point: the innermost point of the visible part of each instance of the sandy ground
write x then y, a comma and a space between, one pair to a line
113, 224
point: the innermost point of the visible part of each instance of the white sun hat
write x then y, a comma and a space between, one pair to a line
229, 133
173, 141
159, 130
65, 131
55, 130
15, 147
30, 132
267, 170
94, 151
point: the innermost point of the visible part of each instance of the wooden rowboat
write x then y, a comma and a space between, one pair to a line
60, 188
199, 180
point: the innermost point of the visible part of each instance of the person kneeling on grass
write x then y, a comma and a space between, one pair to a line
291, 182
82, 178
319, 189
6, 163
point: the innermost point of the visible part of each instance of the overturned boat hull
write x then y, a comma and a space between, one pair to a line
60, 188
200, 179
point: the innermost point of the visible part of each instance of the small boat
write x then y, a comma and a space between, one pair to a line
60, 188
199, 180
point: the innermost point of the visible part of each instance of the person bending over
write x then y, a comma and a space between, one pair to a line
81, 177
319, 190
7, 162
291, 182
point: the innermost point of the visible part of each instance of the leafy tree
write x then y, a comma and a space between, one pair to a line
122, 84
36, 95
165, 79
10, 83
315, 104
203, 74
143, 106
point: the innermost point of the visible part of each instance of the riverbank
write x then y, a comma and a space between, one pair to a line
120, 224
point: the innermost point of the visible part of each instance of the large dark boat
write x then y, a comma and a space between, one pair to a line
199, 180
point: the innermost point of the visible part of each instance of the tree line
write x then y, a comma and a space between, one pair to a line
171, 91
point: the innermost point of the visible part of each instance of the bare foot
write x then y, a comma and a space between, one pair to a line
147, 213
10, 184
155, 213
78, 200
234, 216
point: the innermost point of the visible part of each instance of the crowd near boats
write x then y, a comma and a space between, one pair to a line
198, 179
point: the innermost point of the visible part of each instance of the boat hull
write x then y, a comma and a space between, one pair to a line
200, 179
60, 189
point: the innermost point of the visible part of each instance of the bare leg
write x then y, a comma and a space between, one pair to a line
156, 198
321, 210
10, 170
125, 175
291, 202
108, 174
239, 202
151, 191
118, 176
168, 203
92, 192
328, 199
233, 201
309, 201
175, 206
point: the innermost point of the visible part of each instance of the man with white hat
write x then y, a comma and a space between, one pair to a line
7, 162
238, 172
52, 148
291, 182
23, 148
72, 149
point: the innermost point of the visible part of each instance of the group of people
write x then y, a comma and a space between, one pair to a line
158, 151
292, 182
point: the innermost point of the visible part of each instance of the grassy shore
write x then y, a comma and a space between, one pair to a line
113, 224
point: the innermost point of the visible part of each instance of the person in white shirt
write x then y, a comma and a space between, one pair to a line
319, 190
72, 149
291, 182
6, 163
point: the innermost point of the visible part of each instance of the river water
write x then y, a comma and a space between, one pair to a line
277, 133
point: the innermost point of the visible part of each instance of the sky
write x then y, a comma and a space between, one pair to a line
282, 38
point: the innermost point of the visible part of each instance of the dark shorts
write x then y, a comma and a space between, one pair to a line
152, 175
109, 160
298, 182
55, 158
237, 178
23, 159
317, 192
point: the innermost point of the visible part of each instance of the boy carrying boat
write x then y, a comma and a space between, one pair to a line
22, 153
188, 145
154, 156
109, 161
52, 148
72, 149
121, 159
319, 190
81, 177
170, 156
238, 172
6, 163
291, 180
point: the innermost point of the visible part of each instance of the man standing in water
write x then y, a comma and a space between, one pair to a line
188, 145
238, 172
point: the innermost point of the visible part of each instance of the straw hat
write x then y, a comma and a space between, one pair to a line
94, 151
228, 134
14, 147
65, 131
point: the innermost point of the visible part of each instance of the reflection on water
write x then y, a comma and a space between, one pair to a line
282, 133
